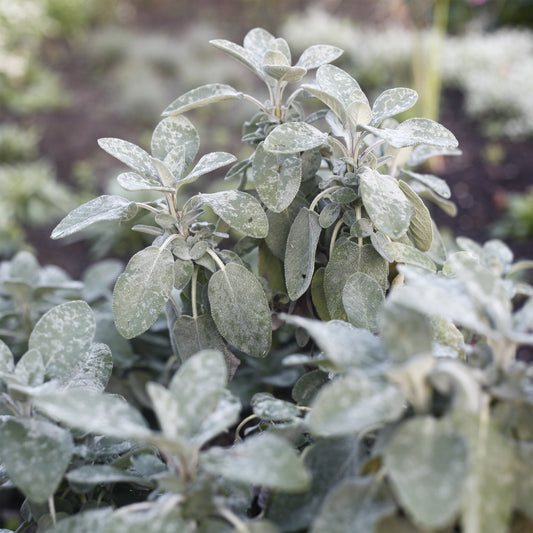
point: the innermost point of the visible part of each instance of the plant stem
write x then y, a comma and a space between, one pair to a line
242, 424
52, 508
334, 236
217, 259
147, 207
193, 292
325, 192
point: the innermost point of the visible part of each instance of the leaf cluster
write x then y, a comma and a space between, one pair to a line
338, 369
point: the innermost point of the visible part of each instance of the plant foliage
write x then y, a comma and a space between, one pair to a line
332, 367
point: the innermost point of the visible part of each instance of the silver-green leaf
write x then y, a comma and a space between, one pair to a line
142, 290
362, 298
105, 207
292, 137
130, 154
240, 309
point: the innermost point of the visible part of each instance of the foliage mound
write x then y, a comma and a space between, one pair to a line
331, 366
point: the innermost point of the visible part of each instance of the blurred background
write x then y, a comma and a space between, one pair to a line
72, 71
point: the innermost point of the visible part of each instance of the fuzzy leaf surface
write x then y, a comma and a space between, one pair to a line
386, 204
142, 290
318, 55
240, 309
355, 403
362, 298
279, 468
174, 132
391, 103
277, 178
292, 137
202, 96
427, 464
103, 208
36, 454
300, 252
130, 154
61, 346
239, 210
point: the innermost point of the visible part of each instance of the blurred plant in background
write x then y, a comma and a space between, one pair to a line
493, 70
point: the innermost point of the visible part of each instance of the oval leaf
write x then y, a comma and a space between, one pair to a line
239, 210
300, 252
35, 454
130, 154
210, 162
292, 137
60, 344
420, 227
202, 96
104, 207
385, 203
318, 55
142, 290
392, 102
355, 403
279, 468
277, 178
172, 132
362, 298
403, 253
240, 309
427, 465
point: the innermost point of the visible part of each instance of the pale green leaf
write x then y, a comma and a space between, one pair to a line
355, 404
488, 499
239, 210
92, 371
35, 454
240, 309
94, 412
267, 407
279, 468
175, 132
354, 506
25, 267
339, 84
94, 521
329, 461
97, 474
391, 103
167, 178
420, 227
7, 361
142, 290
329, 215
132, 181
423, 152
130, 154
257, 41
318, 294
208, 163
331, 101
318, 55
202, 96
427, 465
62, 336
292, 137
385, 203
403, 253
436, 184
277, 178
157, 519
362, 298
183, 271
104, 207
416, 131
246, 57
300, 252
30, 369
347, 259
347, 347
